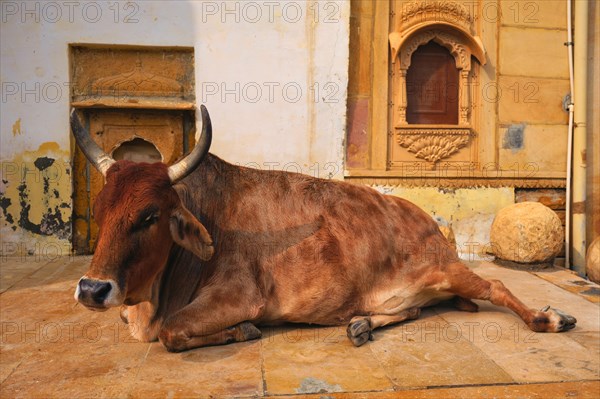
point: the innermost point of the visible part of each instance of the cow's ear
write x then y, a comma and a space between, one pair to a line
188, 232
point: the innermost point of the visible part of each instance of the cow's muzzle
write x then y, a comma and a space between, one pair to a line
97, 294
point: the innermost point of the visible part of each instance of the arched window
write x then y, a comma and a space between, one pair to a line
432, 95
416, 103
432, 86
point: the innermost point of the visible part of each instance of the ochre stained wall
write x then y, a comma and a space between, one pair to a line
533, 80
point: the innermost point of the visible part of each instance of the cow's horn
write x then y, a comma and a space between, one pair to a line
182, 168
98, 158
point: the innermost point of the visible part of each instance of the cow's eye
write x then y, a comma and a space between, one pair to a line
150, 219
146, 220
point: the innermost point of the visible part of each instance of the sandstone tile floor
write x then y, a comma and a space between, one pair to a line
51, 347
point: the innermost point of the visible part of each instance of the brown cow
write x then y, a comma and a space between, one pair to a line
204, 261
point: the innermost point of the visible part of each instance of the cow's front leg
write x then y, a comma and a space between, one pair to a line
124, 313
177, 339
207, 321
140, 320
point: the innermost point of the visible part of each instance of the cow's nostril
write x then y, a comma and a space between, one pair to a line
102, 291
94, 291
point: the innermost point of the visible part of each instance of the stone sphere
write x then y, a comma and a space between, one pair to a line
527, 232
592, 261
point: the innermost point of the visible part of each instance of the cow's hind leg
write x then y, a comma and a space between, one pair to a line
360, 327
466, 284
464, 304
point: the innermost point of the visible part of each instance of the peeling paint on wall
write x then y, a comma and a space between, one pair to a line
35, 198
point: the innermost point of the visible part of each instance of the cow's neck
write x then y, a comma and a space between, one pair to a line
155, 297
176, 285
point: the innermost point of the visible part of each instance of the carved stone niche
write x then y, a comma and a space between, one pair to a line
452, 26
139, 104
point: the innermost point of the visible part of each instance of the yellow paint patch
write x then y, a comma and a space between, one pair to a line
460, 203
37, 196
16, 128
50, 146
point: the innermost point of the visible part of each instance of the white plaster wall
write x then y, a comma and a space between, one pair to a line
264, 82
239, 46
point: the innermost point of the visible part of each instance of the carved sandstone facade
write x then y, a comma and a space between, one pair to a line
509, 128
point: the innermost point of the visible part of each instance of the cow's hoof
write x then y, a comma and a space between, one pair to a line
359, 331
559, 320
173, 341
553, 320
249, 331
